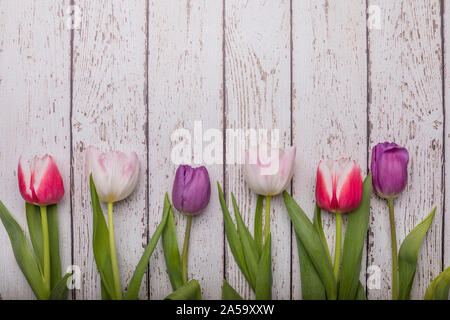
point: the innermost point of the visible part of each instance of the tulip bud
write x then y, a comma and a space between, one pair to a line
339, 185
115, 173
269, 175
191, 189
389, 169
40, 182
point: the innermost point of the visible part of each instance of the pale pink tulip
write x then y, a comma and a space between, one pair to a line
115, 173
268, 172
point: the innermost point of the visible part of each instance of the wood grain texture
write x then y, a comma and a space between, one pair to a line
185, 85
35, 106
257, 77
109, 111
445, 13
142, 69
329, 99
406, 107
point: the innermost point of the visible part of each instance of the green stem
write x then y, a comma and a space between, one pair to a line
267, 218
46, 244
394, 251
187, 236
337, 249
112, 247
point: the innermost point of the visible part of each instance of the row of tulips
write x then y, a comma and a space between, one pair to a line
340, 189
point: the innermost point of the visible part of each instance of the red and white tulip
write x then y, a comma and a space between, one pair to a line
339, 185
40, 182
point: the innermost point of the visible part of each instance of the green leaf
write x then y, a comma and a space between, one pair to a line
53, 235
248, 244
312, 286
317, 223
232, 237
34, 222
313, 245
263, 285
100, 243
23, 254
228, 292
439, 287
360, 292
171, 252
258, 225
136, 280
355, 236
189, 291
59, 291
105, 294
407, 256
33, 214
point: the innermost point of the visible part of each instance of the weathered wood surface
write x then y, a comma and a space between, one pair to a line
405, 106
332, 81
257, 80
329, 98
109, 111
35, 116
185, 86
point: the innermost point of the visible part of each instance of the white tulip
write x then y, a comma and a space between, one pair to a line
115, 173
269, 175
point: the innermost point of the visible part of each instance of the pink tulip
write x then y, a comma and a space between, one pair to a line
339, 185
40, 182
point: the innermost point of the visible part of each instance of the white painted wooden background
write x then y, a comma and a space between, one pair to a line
335, 76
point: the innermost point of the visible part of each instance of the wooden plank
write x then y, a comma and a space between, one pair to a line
257, 77
329, 99
445, 14
35, 100
185, 85
109, 111
405, 81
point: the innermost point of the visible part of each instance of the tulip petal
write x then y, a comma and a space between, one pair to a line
349, 187
24, 174
324, 187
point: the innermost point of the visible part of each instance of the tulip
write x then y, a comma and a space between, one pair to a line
339, 190
191, 190
389, 169
115, 176
339, 185
389, 176
269, 175
191, 193
40, 183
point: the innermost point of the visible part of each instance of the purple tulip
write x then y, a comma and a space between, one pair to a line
389, 169
191, 189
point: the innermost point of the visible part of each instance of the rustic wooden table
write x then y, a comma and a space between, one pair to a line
336, 77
